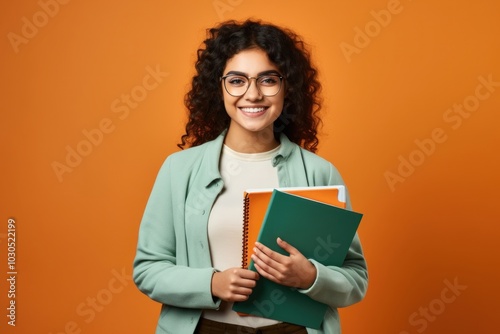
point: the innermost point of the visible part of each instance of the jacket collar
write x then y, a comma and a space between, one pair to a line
211, 158
285, 150
213, 150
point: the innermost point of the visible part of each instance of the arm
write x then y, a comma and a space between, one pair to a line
331, 285
341, 286
160, 269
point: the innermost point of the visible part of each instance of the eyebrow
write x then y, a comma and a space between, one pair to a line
258, 74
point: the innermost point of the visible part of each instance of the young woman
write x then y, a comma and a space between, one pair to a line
252, 124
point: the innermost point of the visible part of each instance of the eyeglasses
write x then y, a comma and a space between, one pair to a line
238, 84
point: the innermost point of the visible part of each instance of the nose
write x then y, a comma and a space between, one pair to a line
253, 93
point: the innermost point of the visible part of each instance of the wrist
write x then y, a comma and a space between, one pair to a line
310, 277
213, 284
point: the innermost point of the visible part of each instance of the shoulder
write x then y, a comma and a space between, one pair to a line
198, 159
187, 155
320, 169
294, 152
184, 160
314, 159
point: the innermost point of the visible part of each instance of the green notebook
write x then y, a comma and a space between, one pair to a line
319, 231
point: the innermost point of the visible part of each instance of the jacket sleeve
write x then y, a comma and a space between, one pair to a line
345, 285
157, 271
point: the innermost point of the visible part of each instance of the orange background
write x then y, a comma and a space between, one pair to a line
436, 225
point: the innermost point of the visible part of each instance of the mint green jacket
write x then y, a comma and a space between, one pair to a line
172, 264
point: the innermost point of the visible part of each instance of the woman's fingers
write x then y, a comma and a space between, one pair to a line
234, 284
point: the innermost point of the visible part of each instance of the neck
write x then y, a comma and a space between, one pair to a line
253, 142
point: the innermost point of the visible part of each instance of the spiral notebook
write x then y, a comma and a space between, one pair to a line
256, 201
313, 220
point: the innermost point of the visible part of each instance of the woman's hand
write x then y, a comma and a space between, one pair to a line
293, 270
234, 284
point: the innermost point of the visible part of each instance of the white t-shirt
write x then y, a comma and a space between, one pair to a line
240, 171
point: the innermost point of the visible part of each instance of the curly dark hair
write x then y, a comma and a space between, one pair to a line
299, 119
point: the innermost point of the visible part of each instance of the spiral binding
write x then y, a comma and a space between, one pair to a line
246, 205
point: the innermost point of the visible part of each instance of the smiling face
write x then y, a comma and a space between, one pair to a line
252, 114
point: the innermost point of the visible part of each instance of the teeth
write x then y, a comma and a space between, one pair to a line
252, 110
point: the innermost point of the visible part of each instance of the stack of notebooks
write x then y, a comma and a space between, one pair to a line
313, 220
